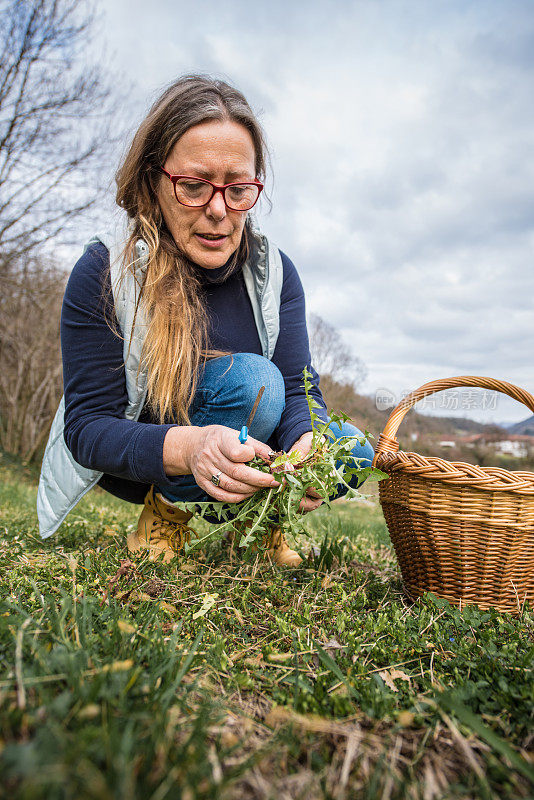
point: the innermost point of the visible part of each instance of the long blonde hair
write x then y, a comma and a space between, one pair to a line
176, 343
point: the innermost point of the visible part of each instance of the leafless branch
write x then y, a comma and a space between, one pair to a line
30, 378
331, 356
56, 109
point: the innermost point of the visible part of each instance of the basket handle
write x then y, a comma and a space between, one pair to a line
387, 443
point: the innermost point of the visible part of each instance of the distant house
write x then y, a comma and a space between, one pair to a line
447, 443
473, 439
512, 447
517, 446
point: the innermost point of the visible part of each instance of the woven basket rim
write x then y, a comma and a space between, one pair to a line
460, 473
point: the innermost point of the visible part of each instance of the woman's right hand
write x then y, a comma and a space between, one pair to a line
214, 449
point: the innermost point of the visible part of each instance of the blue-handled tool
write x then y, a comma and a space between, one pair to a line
243, 436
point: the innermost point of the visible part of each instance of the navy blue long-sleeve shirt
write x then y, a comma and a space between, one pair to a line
96, 432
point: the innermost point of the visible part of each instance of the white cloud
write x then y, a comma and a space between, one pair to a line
403, 187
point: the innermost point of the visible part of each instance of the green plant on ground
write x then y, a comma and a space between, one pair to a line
214, 678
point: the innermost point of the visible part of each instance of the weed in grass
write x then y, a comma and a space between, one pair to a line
328, 465
211, 677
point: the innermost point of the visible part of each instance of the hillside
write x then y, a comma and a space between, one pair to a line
523, 428
363, 411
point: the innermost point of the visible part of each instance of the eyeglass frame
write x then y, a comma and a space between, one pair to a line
215, 188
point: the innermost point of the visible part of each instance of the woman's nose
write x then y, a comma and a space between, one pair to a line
216, 207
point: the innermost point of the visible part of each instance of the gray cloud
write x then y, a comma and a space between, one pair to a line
401, 138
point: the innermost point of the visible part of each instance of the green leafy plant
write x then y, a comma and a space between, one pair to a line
328, 464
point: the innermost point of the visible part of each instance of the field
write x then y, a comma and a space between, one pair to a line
215, 678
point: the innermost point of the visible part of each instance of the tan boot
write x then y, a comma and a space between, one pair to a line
280, 552
162, 528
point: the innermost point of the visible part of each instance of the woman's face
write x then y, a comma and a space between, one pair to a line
221, 152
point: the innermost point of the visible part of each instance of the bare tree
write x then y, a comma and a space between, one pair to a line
30, 377
331, 357
56, 112
55, 116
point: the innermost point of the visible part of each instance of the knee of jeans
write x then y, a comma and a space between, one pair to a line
252, 372
365, 451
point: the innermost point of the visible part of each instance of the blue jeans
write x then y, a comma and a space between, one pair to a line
225, 395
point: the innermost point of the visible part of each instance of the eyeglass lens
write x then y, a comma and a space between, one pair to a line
239, 197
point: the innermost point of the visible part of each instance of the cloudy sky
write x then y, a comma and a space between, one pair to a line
401, 137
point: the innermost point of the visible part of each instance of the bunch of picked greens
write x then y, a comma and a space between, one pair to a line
328, 464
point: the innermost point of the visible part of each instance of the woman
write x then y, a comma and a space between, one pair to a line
169, 331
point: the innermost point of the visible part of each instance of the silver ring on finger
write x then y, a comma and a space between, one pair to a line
216, 479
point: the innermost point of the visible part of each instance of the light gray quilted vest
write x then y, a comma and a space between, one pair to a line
63, 481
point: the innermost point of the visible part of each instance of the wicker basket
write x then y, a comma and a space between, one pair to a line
463, 532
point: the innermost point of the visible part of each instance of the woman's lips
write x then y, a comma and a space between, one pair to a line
211, 242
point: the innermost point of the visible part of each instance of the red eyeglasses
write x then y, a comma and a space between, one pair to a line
198, 192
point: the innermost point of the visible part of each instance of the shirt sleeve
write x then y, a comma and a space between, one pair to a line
291, 355
96, 432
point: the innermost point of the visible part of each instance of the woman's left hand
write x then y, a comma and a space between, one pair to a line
312, 500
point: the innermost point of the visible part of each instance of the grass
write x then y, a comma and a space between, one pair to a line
214, 678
